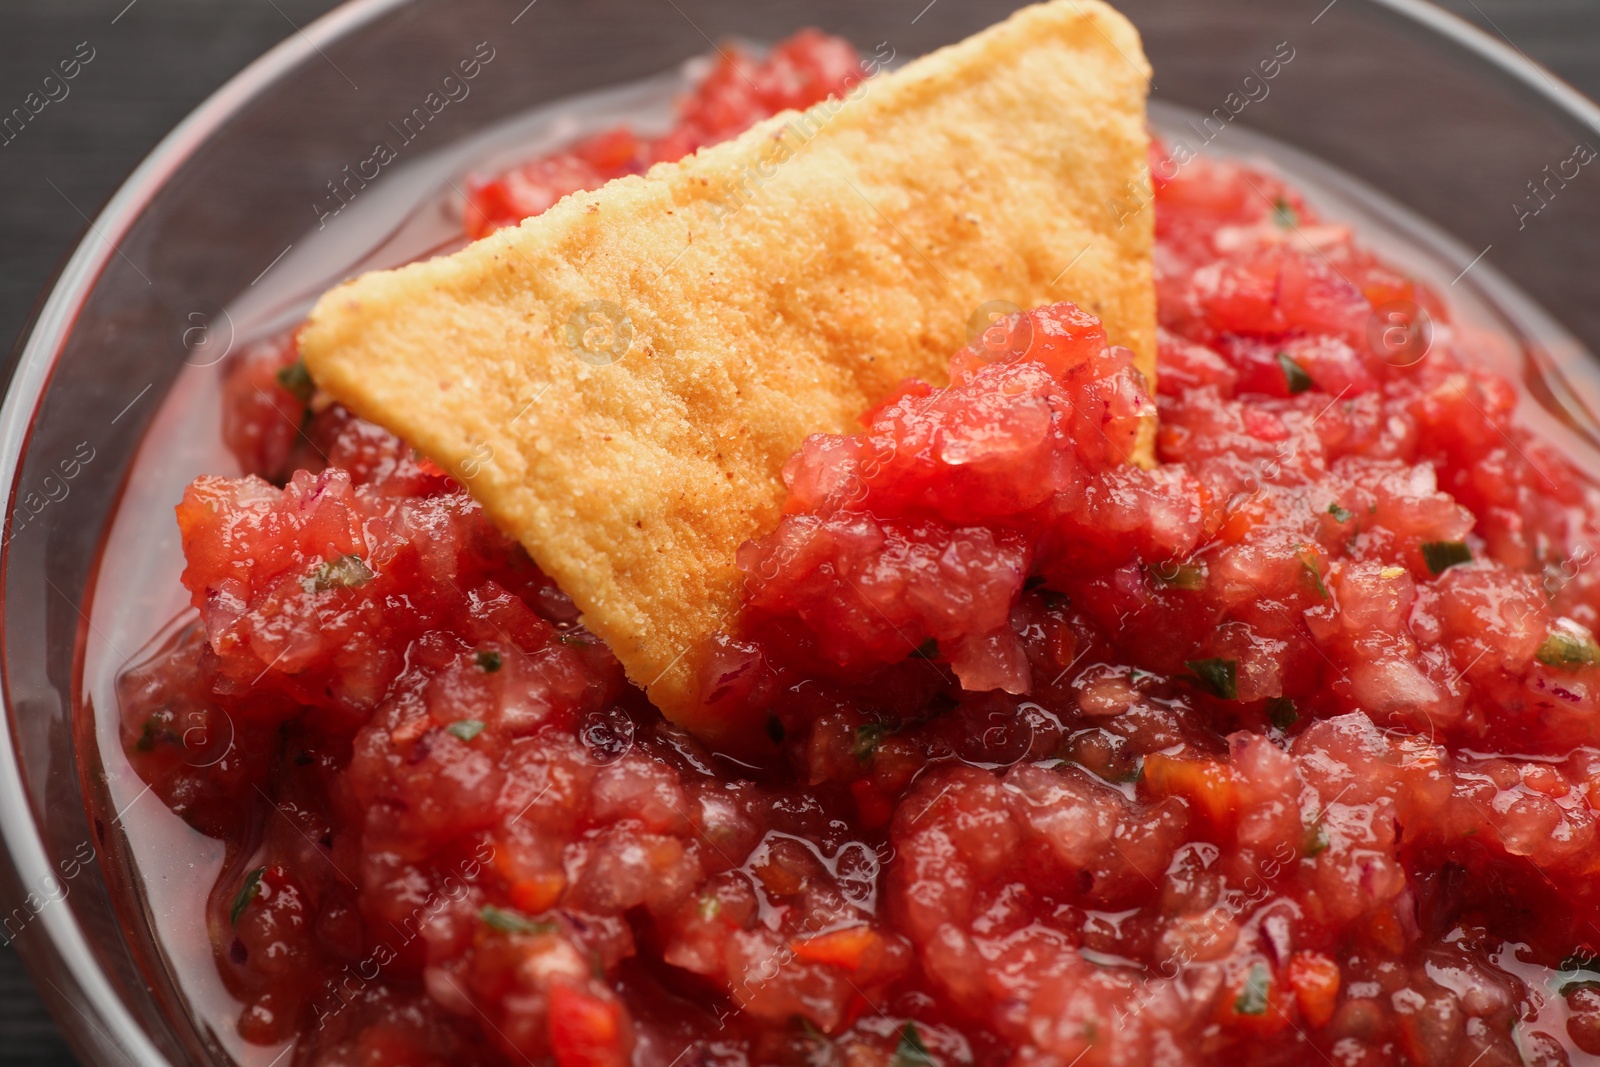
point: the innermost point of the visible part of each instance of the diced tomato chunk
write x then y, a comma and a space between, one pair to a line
586, 1030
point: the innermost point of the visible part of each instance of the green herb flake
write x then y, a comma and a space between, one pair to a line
247, 893
1219, 676
910, 1051
811, 1030
1442, 555
1294, 374
296, 381
489, 661
466, 729
1339, 513
1190, 576
1308, 560
1316, 841
150, 735
929, 649
868, 737
775, 729
1252, 999
1281, 713
1568, 647
709, 907
1316, 580
508, 921
346, 572
1284, 214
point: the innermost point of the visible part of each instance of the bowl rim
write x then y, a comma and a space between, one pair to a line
63, 944
43, 338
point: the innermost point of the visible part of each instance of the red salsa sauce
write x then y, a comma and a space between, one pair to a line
1281, 751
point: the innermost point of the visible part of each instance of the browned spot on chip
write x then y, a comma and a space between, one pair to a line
628, 382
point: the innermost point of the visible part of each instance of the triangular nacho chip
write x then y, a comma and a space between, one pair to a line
620, 380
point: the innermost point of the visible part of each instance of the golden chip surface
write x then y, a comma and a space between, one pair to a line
620, 379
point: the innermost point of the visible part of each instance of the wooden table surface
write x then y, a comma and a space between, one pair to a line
155, 60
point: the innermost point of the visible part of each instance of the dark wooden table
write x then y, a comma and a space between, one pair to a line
154, 60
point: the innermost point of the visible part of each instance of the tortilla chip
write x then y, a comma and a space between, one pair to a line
620, 379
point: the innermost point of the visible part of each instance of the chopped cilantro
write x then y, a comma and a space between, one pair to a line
1252, 999
1339, 513
346, 572
1308, 560
1294, 374
708, 907
507, 921
814, 1034
1134, 772
247, 893
1284, 214
775, 728
1316, 839
1281, 712
1190, 576
929, 649
152, 735
466, 729
1569, 646
1219, 676
489, 661
296, 380
868, 737
1442, 555
910, 1051
1316, 580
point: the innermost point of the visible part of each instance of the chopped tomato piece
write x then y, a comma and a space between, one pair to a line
853, 949
1205, 783
1315, 980
586, 1030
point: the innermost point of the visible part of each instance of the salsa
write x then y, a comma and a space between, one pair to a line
1280, 751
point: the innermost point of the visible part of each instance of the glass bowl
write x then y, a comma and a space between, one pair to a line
199, 248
